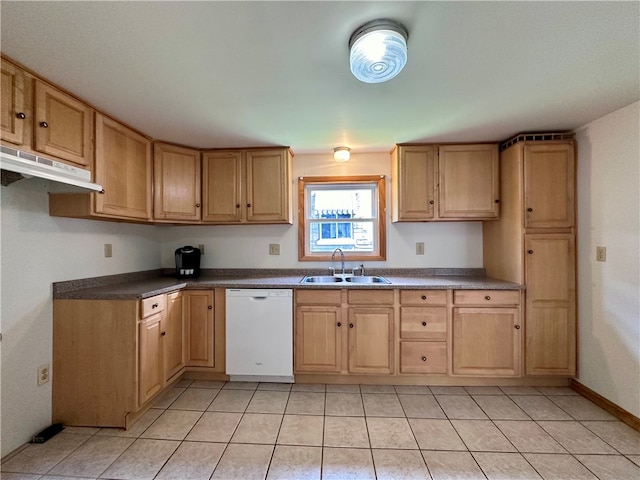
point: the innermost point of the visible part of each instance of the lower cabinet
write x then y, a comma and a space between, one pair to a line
175, 339
486, 338
199, 315
319, 338
371, 340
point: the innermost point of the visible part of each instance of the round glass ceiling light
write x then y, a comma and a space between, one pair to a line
378, 51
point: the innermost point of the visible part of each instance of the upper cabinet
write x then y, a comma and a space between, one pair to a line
247, 186
13, 112
176, 184
549, 185
62, 125
447, 182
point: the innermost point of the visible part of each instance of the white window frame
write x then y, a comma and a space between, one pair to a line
377, 185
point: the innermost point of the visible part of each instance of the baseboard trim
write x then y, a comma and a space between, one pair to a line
615, 410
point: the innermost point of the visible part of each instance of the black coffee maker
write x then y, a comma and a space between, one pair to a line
187, 262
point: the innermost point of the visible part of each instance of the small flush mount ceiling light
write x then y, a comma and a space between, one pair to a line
378, 50
341, 154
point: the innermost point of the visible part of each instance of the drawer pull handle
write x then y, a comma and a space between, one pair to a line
424, 324
155, 305
487, 297
351, 325
21, 115
339, 324
424, 297
517, 327
424, 359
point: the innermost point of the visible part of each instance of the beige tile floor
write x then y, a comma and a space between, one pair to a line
228, 431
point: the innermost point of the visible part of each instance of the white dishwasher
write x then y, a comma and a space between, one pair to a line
259, 331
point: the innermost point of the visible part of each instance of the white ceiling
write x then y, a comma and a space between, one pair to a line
233, 74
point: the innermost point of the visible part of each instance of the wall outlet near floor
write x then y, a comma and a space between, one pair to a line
601, 254
274, 249
43, 374
108, 250
201, 247
419, 248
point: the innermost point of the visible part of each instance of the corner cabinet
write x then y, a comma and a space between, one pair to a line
247, 186
445, 182
533, 243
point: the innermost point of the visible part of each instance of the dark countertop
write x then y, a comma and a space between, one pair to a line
144, 286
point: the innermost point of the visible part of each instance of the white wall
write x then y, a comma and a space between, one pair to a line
609, 293
36, 250
454, 244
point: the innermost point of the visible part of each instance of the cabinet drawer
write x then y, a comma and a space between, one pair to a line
423, 357
423, 297
423, 322
152, 305
486, 297
318, 297
370, 297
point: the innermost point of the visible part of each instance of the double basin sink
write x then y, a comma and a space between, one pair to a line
331, 279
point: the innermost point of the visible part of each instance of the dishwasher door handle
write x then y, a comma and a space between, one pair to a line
259, 298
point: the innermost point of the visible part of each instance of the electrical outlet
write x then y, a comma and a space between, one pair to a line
419, 248
274, 249
108, 250
43, 374
601, 254
201, 247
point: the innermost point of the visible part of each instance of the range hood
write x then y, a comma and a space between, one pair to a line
17, 165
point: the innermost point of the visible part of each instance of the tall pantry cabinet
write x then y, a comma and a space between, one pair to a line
533, 243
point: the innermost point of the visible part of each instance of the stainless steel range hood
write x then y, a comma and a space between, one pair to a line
17, 165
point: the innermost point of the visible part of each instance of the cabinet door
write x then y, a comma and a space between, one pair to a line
549, 185
150, 376
123, 168
222, 190
62, 125
414, 180
268, 198
486, 341
176, 183
175, 339
199, 317
12, 114
318, 344
371, 340
469, 182
550, 305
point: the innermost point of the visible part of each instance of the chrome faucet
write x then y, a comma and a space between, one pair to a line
333, 257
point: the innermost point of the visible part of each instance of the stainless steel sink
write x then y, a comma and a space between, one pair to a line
321, 279
367, 279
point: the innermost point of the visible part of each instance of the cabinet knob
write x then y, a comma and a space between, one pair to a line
431, 202
424, 324
237, 205
424, 297
351, 325
339, 324
517, 327
424, 359
497, 200
248, 205
21, 115
529, 209
209, 307
162, 334
487, 297
44, 124
197, 205
530, 252
155, 305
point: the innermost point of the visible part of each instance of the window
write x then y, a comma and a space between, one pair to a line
341, 212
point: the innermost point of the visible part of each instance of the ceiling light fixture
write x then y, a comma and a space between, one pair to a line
341, 154
378, 50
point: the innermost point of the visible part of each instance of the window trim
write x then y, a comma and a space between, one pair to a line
380, 180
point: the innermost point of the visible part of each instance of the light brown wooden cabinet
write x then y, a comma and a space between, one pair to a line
199, 318
445, 182
371, 340
13, 113
176, 184
63, 126
533, 243
247, 186
151, 357
175, 339
123, 168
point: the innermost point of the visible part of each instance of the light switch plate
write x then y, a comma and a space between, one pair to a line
108, 250
601, 254
419, 248
274, 249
